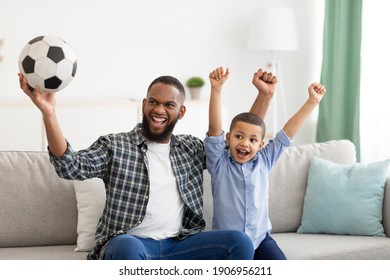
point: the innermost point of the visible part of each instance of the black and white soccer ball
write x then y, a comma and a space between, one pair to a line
49, 62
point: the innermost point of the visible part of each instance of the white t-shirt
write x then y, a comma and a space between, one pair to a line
164, 212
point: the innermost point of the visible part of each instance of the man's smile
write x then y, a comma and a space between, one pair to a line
158, 120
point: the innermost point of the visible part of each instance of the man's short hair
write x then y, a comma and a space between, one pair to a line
172, 81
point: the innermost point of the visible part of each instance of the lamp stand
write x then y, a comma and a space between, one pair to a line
279, 117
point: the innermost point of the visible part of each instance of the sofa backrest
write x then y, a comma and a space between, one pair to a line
288, 179
36, 206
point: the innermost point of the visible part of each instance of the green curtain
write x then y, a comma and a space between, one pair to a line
339, 109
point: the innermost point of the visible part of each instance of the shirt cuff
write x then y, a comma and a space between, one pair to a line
215, 139
282, 137
67, 156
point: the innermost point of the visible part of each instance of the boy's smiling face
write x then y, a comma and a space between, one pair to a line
244, 140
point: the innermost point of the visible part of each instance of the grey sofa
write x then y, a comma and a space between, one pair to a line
39, 212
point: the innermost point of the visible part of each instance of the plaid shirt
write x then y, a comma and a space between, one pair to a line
120, 160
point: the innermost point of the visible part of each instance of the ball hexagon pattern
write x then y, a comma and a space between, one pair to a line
49, 62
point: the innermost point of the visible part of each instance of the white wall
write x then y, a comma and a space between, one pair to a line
123, 45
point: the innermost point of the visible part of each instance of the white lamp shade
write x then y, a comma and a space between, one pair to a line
273, 29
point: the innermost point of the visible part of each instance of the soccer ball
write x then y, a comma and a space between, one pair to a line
49, 62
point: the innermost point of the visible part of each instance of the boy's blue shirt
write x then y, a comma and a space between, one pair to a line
240, 191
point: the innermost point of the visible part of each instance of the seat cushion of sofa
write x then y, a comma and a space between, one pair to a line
63, 252
331, 247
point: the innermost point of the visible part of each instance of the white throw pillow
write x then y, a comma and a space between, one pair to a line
91, 197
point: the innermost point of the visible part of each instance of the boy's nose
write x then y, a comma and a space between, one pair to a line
245, 143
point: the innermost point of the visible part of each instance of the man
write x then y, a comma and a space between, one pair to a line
153, 181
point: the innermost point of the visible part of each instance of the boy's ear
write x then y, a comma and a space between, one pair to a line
261, 144
227, 137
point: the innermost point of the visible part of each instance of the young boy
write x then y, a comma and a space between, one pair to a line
240, 174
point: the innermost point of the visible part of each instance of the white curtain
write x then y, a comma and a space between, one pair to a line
375, 81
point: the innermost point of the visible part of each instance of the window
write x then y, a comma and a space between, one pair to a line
375, 80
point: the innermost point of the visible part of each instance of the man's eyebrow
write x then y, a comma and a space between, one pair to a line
170, 102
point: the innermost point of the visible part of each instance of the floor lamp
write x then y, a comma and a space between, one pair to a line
273, 30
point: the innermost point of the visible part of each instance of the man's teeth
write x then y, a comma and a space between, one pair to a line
161, 120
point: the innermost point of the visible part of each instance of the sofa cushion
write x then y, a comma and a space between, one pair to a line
91, 197
333, 247
207, 200
36, 206
61, 252
344, 199
288, 179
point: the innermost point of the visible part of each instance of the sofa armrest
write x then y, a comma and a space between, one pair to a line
386, 207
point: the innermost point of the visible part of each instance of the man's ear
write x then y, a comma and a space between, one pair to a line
143, 104
182, 111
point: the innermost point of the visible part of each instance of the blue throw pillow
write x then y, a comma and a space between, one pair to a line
344, 199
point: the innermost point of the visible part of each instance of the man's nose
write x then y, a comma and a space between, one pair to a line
159, 108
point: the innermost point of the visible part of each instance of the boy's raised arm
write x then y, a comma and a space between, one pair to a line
217, 79
266, 83
294, 124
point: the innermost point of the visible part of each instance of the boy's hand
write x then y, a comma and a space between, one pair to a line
316, 92
265, 82
218, 77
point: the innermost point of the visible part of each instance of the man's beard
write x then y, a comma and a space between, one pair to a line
157, 137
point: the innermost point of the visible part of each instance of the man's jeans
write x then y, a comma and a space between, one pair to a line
207, 245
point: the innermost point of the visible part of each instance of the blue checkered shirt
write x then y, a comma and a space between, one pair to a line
120, 160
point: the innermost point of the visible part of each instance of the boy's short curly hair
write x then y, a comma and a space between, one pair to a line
248, 118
